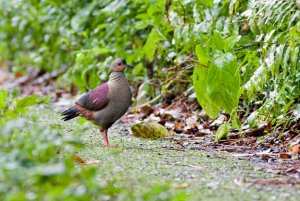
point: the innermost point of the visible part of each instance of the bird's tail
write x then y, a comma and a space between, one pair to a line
70, 113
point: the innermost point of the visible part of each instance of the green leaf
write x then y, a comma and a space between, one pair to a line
218, 85
235, 119
201, 54
27, 101
3, 98
230, 43
200, 84
208, 3
297, 112
151, 44
295, 56
222, 132
223, 82
142, 24
46, 99
217, 41
251, 119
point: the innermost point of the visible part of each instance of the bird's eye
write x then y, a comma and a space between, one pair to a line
119, 64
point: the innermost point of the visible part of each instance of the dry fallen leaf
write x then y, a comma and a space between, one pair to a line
83, 161
201, 133
178, 127
274, 181
266, 152
296, 149
79, 159
180, 185
149, 130
92, 161
285, 155
147, 109
193, 124
18, 74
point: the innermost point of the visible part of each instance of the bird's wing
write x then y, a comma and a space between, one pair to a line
96, 99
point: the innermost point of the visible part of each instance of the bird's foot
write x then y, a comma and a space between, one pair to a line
109, 145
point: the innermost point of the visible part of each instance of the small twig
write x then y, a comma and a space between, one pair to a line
176, 149
149, 102
178, 142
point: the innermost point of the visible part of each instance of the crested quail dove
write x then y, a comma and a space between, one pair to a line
107, 103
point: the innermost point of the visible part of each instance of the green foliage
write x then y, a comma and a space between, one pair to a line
32, 166
277, 76
11, 106
80, 35
37, 161
3, 98
222, 132
246, 50
200, 82
217, 83
265, 48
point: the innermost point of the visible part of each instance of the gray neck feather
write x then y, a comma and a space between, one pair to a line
116, 77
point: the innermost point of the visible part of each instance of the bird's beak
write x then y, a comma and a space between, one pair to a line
129, 66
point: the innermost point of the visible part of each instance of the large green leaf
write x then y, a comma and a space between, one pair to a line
201, 54
223, 82
200, 86
217, 85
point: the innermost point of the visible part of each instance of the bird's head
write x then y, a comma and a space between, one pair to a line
119, 65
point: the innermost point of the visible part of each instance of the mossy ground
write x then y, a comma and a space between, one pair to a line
144, 170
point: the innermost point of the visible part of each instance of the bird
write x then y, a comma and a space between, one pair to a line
104, 105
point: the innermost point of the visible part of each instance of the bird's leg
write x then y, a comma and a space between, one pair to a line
105, 139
